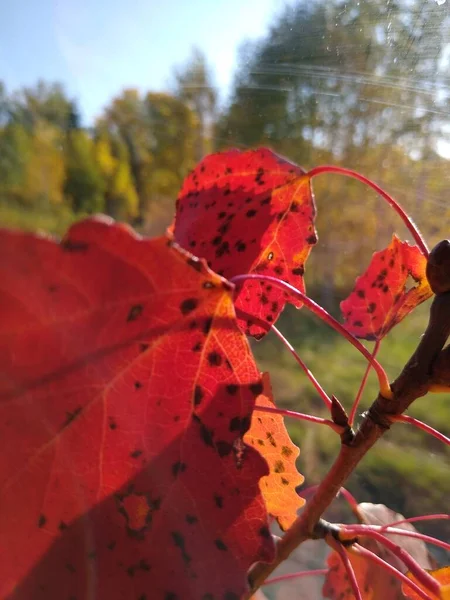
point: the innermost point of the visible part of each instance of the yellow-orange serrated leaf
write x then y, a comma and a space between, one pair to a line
269, 436
442, 575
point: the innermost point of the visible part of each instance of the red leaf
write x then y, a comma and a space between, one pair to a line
269, 435
125, 387
249, 212
381, 298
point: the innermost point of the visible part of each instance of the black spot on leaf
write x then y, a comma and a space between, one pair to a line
135, 312
198, 395
256, 388
74, 246
188, 305
220, 545
191, 519
207, 325
214, 359
232, 389
279, 467
286, 451
42, 520
178, 467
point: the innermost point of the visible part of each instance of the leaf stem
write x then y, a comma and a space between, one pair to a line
442, 516
347, 565
376, 531
301, 416
309, 374
363, 385
412, 227
364, 552
427, 428
351, 500
327, 318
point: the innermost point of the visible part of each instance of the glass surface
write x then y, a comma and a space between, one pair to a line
106, 106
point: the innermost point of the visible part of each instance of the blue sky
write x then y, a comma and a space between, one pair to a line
97, 47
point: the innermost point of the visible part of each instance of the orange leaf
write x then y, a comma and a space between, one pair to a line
269, 436
336, 585
380, 298
442, 575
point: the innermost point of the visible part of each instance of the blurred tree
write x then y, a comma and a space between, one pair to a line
193, 85
45, 169
4, 105
111, 155
15, 151
84, 185
360, 84
172, 127
173, 130
45, 102
126, 117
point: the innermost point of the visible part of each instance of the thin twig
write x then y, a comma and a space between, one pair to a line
347, 565
351, 419
301, 416
418, 238
377, 532
327, 318
443, 516
309, 374
423, 426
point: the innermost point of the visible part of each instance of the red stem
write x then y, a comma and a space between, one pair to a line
348, 567
297, 575
363, 552
310, 376
350, 499
376, 530
377, 534
393, 203
363, 385
300, 416
427, 428
419, 518
327, 318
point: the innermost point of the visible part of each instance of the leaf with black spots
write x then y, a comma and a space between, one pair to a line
269, 436
114, 428
249, 212
383, 295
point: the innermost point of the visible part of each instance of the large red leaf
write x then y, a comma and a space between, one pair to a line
381, 298
125, 390
249, 212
